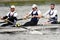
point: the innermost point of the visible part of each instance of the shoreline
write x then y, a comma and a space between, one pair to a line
22, 3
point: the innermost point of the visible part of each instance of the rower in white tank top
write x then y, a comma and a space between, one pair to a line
52, 15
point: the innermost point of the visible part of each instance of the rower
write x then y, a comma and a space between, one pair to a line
52, 15
11, 16
35, 15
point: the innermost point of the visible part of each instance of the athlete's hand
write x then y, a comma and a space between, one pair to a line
42, 17
25, 18
1, 18
5, 20
48, 17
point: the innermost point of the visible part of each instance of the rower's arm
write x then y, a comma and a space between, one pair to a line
46, 13
4, 17
39, 14
26, 16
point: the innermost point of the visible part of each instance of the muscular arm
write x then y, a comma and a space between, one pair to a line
39, 14
27, 15
4, 17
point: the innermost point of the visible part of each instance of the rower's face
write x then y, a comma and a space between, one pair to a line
12, 9
34, 9
52, 6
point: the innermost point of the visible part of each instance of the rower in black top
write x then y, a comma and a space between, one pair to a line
11, 16
35, 14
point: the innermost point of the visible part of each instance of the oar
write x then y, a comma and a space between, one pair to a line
2, 22
21, 26
19, 19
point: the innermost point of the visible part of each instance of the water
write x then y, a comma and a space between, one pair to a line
22, 10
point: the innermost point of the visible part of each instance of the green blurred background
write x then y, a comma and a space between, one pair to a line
27, 2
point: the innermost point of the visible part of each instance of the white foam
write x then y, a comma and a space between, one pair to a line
35, 32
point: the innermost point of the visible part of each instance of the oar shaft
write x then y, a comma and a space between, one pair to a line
20, 19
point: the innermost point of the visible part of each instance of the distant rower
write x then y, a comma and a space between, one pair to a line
11, 16
35, 14
52, 15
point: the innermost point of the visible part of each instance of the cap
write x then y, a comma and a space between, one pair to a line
34, 5
12, 6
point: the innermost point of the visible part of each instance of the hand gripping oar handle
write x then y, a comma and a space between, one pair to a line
9, 21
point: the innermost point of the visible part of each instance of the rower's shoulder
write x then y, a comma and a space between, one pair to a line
39, 12
55, 10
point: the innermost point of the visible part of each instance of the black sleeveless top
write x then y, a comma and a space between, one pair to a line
35, 19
